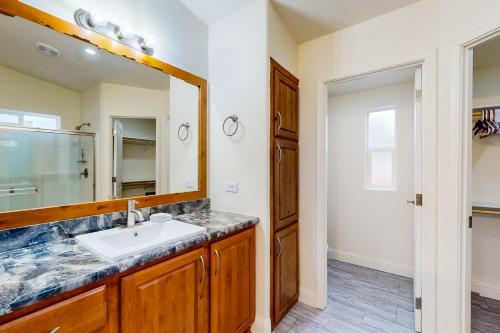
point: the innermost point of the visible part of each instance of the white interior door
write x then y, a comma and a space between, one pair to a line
117, 158
417, 275
466, 324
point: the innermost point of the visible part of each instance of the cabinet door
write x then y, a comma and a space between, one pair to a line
285, 103
83, 313
286, 187
286, 271
232, 295
171, 297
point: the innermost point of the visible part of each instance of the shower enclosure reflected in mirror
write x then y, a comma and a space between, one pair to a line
80, 124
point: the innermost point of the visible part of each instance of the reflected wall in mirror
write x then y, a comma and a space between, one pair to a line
80, 124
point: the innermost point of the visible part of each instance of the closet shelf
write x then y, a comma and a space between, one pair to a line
135, 141
479, 210
139, 184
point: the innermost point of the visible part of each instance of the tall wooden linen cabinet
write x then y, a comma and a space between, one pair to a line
284, 191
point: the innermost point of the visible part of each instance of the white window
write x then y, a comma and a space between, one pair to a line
380, 149
28, 119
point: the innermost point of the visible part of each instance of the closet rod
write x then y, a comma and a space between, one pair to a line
485, 212
476, 112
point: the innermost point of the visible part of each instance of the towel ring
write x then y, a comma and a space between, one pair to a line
234, 118
186, 126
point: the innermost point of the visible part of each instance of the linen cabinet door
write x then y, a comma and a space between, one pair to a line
232, 295
286, 103
286, 271
171, 297
286, 186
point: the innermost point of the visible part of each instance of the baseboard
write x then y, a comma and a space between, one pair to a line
486, 290
307, 296
372, 263
261, 325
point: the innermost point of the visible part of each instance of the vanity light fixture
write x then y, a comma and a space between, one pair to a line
97, 24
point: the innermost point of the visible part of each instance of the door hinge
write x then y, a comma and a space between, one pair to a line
418, 303
419, 199
470, 222
113, 179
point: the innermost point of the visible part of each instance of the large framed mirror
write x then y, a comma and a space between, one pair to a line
87, 123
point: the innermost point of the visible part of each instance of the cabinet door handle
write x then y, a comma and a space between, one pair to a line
280, 154
280, 120
217, 270
279, 246
54, 330
202, 259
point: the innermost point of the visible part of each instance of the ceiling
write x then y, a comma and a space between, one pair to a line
377, 80
211, 11
73, 68
309, 19
487, 54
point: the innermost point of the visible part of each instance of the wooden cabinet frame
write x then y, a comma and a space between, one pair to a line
13, 219
114, 287
274, 136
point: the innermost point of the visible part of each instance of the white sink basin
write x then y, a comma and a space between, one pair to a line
115, 244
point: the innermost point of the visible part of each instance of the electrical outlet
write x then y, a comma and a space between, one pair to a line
189, 183
232, 187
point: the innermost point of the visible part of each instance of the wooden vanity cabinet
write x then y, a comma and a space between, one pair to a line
83, 313
232, 296
172, 296
208, 289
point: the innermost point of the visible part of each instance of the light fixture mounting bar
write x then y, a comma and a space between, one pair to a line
85, 19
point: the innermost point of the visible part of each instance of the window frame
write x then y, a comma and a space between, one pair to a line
22, 114
368, 151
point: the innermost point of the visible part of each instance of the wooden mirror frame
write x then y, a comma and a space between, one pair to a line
19, 218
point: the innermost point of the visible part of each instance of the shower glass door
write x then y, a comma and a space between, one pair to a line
41, 168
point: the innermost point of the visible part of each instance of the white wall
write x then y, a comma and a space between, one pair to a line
44, 97
184, 108
282, 45
178, 36
239, 84
486, 190
365, 226
408, 33
139, 128
239, 50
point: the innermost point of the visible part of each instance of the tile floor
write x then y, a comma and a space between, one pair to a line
363, 300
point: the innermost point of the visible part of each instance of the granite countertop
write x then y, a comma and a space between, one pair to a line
33, 273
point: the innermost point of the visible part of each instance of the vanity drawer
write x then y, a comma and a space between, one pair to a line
83, 313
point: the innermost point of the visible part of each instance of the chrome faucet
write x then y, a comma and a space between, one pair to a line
132, 213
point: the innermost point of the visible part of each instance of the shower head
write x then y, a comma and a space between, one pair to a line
79, 127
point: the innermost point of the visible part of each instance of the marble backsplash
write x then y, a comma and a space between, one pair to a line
18, 238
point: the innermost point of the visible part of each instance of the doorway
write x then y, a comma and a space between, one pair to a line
480, 205
373, 198
135, 161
